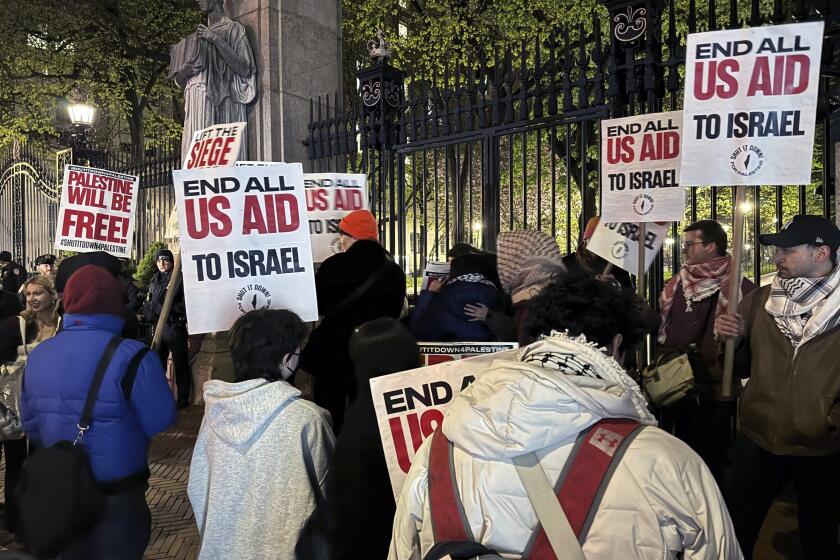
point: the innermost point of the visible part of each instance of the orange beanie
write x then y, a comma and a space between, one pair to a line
360, 224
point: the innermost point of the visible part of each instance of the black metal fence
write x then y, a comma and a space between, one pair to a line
511, 140
30, 181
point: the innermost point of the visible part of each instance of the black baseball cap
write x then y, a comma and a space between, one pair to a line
71, 264
804, 229
45, 259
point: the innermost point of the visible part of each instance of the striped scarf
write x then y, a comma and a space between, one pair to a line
804, 308
698, 281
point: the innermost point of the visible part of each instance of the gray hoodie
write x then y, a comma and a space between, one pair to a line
248, 483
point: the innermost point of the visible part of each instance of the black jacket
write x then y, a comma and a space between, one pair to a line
12, 277
154, 302
326, 355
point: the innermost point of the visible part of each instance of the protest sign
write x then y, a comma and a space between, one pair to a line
330, 197
618, 243
439, 352
750, 105
640, 169
96, 212
434, 270
410, 405
215, 146
244, 243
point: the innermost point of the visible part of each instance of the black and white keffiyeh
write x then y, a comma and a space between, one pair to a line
804, 308
473, 277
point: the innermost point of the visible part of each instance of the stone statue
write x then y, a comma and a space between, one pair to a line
215, 66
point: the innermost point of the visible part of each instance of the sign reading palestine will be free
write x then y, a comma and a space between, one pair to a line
750, 105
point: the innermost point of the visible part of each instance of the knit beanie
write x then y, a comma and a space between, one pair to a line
92, 289
164, 253
517, 247
360, 224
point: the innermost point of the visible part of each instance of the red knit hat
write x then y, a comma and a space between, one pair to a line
92, 289
360, 224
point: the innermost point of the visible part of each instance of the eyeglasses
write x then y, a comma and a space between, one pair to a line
687, 244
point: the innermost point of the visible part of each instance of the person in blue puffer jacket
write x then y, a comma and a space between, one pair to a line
128, 412
439, 315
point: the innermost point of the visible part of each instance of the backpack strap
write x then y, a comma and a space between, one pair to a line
96, 384
586, 476
449, 523
127, 383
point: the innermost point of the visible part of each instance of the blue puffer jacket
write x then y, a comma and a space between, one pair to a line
439, 317
57, 378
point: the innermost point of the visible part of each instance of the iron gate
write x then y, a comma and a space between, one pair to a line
511, 141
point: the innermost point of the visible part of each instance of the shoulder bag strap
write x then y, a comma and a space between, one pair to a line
127, 383
93, 392
22, 325
449, 523
566, 520
360, 289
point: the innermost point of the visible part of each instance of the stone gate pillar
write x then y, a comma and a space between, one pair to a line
297, 46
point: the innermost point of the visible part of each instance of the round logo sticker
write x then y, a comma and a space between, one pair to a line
643, 204
747, 160
619, 249
253, 297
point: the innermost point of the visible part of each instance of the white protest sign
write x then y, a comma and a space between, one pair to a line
436, 270
96, 212
640, 169
244, 243
215, 146
330, 197
410, 405
750, 105
618, 243
440, 352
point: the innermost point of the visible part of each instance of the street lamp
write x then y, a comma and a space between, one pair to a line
81, 114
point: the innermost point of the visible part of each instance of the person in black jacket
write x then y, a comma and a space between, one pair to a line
353, 287
12, 275
360, 500
175, 336
9, 305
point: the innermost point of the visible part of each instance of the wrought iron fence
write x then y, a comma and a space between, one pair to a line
511, 141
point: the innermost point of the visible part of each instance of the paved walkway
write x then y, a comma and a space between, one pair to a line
174, 534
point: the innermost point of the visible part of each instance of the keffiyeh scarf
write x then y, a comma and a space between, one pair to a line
804, 308
473, 277
698, 281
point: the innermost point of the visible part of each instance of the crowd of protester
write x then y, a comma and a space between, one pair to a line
289, 463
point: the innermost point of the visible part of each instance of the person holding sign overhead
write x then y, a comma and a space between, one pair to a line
689, 305
790, 411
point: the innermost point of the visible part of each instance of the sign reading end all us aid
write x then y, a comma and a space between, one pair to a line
750, 105
640, 169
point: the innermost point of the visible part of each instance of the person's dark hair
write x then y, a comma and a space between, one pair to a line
470, 263
581, 304
462, 249
259, 340
380, 347
711, 232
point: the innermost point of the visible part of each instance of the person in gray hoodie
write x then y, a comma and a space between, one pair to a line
259, 446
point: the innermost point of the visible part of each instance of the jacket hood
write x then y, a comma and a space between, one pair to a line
238, 413
557, 387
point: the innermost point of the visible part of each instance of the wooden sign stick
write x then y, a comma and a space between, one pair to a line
167, 301
640, 287
734, 287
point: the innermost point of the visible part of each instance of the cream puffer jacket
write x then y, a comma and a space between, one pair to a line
661, 500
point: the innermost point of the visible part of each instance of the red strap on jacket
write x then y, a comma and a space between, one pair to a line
589, 469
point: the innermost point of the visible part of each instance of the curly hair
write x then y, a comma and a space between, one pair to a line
581, 304
259, 340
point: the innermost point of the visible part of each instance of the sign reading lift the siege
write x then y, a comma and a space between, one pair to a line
244, 243
97, 211
750, 105
215, 146
640, 169
410, 406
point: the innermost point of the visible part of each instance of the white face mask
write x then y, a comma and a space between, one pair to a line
290, 363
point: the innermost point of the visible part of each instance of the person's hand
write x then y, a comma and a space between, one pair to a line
435, 284
476, 312
208, 34
729, 326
